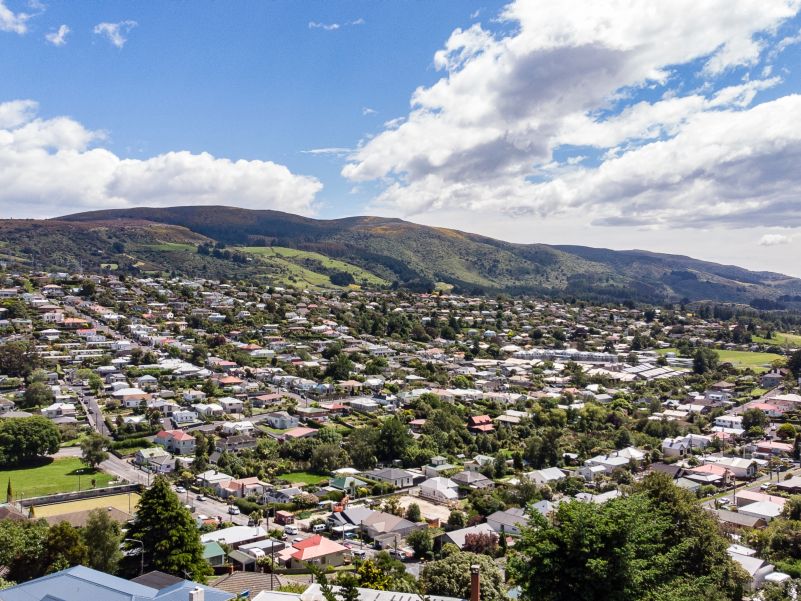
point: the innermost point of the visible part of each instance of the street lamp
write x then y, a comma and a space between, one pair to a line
141, 553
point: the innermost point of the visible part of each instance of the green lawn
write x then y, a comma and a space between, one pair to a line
740, 359
780, 339
302, 478
61, 475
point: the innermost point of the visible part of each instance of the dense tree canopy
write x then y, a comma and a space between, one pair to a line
169, 535
24, 439
450, 577
655, 544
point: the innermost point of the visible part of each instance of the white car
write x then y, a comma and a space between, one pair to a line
180, 489
234, 510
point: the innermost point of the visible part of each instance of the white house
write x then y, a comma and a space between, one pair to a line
549, 475
232, 405
234, 428
443, 490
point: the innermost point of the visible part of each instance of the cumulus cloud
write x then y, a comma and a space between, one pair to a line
58, 37
116, 33
571, 74
11, 21
55, 166
775, 240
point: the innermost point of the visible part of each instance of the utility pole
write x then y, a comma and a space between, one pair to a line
141, 553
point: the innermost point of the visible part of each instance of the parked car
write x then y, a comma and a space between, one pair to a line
201, 497
180, 489
233, 510
292, 530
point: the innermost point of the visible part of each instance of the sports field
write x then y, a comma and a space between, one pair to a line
59, 475
124, 502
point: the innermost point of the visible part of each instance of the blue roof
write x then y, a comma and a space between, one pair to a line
80, 583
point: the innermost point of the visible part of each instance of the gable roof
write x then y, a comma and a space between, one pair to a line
80, 583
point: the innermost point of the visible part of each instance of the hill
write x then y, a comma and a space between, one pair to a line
377, 251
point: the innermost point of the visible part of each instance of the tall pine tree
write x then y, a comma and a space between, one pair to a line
168, 533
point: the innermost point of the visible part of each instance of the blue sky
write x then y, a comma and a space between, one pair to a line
244, 80
674, 127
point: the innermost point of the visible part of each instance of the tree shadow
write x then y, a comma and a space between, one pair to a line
27, 465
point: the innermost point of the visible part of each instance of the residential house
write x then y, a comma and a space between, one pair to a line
459, 537
549, 475
176, 441
439, 489
232, 405
396, 477
281, 420
317, 550
80, 583
509, 521
473, 480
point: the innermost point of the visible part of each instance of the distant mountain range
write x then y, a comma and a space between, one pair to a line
370, 251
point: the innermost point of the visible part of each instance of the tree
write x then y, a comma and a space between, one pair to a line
450, 577
393, 438
22, 547
485, 543
794, 364
102, 536
93, 450
392, 505
657, 543
786, 431
339, 368
361, 447
168, 533
24, 439
64, 548
422, 543
326, 458
457, 519
18, 358
754, 418
413, 513
705, 360
37, 394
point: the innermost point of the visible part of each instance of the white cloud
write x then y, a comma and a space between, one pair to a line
116, 33
335, 26
58, 37
366, 110
11, 21
55, 166
775, 240
332, 150
325, 26
484, 135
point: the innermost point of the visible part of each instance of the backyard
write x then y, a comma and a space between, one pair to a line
50, 477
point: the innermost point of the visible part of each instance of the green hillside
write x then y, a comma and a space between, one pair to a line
286, 249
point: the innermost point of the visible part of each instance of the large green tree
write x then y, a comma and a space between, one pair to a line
37, 394
64, 548
655, 544
24, 439
450, 577
393, 438
22, 548
102, 536
18, 358
168, 533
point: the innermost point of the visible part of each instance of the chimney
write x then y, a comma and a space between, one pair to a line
197, 594
475, 583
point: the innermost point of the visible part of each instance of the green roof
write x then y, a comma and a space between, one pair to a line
212, 549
